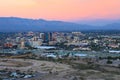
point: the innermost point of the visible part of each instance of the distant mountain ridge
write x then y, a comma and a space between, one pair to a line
14, 24
96, 22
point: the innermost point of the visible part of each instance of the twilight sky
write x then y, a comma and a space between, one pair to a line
67, 10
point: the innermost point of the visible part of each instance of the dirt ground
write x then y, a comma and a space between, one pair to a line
56, 71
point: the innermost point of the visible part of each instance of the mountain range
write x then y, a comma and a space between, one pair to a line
15, 24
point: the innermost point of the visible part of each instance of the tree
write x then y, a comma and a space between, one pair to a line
109, 62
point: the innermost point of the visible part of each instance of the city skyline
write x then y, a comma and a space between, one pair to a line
66, 10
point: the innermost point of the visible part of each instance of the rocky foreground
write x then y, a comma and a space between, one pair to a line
47, 70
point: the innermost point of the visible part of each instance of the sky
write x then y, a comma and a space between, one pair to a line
67, 10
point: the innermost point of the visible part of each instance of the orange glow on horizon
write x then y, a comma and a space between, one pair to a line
61, 9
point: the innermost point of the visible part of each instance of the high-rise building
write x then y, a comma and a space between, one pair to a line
22, 44
42, 36
47, 37
17, 39
50, 37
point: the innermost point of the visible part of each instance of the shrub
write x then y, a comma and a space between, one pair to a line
109, 62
